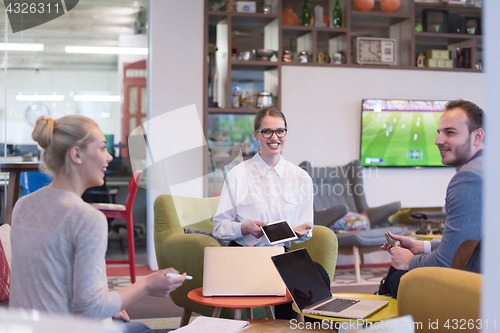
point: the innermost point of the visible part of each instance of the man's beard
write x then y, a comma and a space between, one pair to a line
462, 153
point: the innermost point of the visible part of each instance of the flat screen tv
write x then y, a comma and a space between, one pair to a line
400, 133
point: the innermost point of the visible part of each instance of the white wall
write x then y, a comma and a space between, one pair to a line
491, 227
175, 73
323, 110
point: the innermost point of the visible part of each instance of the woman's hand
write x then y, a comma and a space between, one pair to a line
302, 229
253, 228
160, 285
122, 315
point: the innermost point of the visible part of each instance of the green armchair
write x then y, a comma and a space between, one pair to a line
185, 252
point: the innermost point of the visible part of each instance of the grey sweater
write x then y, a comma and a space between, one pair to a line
58, 256
463, 218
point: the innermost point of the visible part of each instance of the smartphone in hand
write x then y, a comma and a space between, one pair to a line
390, 241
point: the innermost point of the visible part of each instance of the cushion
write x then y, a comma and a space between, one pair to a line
5, 240
5, 262
192, 231
351, 222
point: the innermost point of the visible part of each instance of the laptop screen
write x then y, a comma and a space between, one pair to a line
301, 277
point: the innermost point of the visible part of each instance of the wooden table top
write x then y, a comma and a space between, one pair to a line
281, 326
235, 302
21, 166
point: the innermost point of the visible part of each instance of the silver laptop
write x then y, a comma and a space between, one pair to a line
310, 293
242, 271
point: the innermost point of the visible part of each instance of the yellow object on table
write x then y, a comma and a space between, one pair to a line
426, 237
389, 311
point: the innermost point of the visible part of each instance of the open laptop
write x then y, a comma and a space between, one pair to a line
310, 293
242, 271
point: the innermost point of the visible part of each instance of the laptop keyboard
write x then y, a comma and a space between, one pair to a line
337, 305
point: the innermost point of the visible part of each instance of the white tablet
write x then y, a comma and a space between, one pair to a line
279, 232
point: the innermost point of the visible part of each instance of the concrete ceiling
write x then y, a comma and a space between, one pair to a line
90, 23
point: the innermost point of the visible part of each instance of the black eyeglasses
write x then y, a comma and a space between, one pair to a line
268, 133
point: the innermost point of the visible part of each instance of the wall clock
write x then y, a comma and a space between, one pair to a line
376, 51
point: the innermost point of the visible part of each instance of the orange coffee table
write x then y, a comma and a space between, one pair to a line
239, 303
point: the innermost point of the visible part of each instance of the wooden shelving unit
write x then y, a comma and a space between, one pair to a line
247, 31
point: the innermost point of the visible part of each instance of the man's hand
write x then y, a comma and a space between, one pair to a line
122, 315
415, 246
400, 258
253, 228
302, 229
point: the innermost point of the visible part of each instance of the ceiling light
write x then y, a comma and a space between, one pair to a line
40, 98
21, 47
106, 50
96, 98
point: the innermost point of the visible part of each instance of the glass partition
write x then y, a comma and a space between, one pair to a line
74, 63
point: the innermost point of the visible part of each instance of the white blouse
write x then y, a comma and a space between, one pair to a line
253, 191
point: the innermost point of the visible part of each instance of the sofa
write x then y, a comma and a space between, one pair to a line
339, 190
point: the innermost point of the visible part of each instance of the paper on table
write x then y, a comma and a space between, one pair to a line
213, 325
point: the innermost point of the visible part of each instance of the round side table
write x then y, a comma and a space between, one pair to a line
238, 303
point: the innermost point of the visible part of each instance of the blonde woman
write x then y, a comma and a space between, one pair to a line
59, 241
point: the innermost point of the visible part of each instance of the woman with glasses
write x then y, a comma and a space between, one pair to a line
266, 188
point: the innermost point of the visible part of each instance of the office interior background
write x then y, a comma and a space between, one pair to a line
323, 113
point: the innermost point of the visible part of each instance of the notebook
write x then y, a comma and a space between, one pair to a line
242, 271
312, 296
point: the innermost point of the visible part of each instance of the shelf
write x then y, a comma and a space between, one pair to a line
436, 38
296, 31
252, 19
470, 70
460, 8
215, 17
232, 110
242, 19
259, 65
377, 19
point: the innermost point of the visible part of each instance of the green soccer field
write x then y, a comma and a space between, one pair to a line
400, 138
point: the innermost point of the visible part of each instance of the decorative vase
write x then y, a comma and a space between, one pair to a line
289, 17
390, 6
364, 5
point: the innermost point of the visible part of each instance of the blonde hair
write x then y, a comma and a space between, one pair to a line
57, 137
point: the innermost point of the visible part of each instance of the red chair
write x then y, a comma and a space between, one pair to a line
124, 212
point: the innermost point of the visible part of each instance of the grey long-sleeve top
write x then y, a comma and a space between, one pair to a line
463, 218
58, 256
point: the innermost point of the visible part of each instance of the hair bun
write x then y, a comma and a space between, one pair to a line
44, 128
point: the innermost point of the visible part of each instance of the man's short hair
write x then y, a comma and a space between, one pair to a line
474, 113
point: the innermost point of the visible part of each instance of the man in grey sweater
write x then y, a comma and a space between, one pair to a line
460, 141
